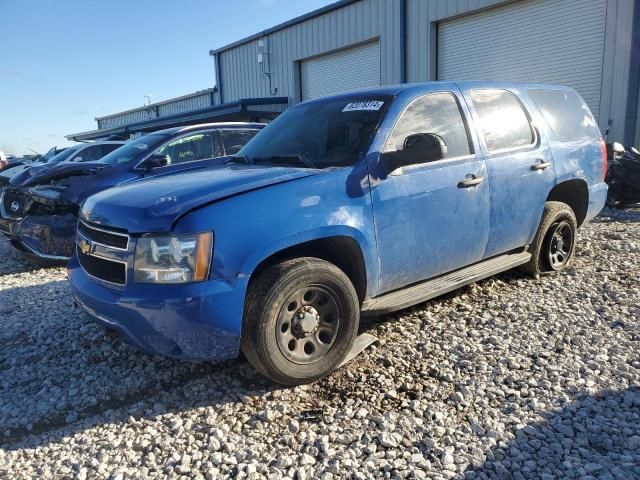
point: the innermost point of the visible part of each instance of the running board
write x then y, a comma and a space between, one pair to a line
449, 282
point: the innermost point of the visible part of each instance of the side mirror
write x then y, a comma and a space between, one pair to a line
157, 160
416, 148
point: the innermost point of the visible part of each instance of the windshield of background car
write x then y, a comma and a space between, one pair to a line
64, 154
325, 133
134, 150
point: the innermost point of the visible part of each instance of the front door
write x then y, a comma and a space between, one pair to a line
431, 218
520, 165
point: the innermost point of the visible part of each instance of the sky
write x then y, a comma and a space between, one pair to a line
65, 62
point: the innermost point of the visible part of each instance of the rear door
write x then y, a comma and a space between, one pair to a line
432, 217
519, 163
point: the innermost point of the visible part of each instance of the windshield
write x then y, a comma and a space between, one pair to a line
64, 154
329, 133
133, 150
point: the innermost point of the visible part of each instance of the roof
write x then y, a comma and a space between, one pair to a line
288, 23
393, 90
232, 110
219, 125
156, 104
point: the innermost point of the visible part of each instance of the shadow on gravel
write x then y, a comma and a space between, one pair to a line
594, 437
60, 374
611, 215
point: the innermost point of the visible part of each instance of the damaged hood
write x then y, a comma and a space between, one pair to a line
49, 173
153, 205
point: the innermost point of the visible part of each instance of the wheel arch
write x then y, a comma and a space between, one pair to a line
339, 248
575, 193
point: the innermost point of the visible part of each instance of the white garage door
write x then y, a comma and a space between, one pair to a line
350, 69
546, 41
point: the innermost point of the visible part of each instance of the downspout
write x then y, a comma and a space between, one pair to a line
216, 59
403, 41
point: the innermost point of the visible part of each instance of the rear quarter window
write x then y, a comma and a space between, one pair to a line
502, 119
566, 113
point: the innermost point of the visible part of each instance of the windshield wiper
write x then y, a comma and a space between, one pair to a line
239, 159
286, 159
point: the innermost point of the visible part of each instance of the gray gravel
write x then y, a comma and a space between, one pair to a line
509, 378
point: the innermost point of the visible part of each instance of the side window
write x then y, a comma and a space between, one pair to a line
566, 113
437, 113
502, 119
234, 140
108, 148
89, 154
198, 146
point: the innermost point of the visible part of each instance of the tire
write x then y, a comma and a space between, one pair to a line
557, 219
300, 320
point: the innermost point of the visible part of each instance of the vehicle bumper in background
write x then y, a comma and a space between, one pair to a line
44, 237
597, 200
198, 321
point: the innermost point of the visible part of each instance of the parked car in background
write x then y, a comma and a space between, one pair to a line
83, 152
38, 211
367, 202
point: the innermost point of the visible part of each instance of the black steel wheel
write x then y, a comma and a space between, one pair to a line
301, 318
554, 244
559, 245
308, 324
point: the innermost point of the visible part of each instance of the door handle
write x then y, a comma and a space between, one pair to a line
470, 181
541, 165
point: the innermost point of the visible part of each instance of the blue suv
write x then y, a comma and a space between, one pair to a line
39, 208
362, 203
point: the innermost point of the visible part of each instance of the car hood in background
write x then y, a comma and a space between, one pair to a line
153, 205
46, 173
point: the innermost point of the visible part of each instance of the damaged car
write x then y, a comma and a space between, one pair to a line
83, 152
38, 212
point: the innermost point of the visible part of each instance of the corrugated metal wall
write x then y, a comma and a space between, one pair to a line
354, 23
423, 17
341, 71
520, 42
364, 20
162, 109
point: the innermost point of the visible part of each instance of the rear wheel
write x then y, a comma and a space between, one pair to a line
554, 244
301, 318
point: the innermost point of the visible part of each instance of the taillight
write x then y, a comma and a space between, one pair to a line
603, 148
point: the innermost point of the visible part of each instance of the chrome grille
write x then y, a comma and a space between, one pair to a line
104, 237
103, 269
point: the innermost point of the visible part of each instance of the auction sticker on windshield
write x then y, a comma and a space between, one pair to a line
371, 105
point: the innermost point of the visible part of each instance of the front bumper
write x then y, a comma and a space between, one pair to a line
198, 321
45, 237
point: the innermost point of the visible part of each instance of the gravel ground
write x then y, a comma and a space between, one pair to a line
509, 378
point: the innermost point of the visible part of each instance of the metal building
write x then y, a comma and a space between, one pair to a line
198, 107
591, 45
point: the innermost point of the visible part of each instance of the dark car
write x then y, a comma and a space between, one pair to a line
38, 210
83, 152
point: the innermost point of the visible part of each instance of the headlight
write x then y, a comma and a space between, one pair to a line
173, 258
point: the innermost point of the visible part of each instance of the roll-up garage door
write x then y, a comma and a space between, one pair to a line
545, 41
349, 69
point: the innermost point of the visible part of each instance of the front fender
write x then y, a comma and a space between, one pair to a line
264, 251
250, 227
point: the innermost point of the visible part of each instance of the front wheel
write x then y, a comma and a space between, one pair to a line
555, 241
301, 318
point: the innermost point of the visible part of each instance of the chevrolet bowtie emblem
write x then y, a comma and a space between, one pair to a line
85, 247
